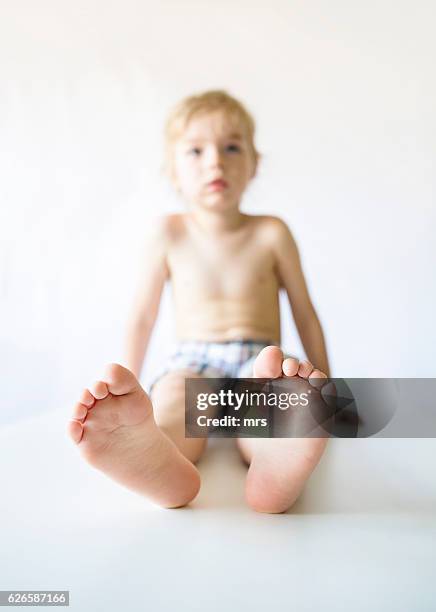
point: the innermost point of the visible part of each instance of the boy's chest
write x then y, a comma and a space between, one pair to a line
222, 269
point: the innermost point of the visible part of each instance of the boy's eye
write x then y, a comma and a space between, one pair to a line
233, 148
194, 151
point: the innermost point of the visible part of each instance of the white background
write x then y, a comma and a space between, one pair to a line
344, 97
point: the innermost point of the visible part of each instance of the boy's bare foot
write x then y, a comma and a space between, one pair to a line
279, 467
115, 431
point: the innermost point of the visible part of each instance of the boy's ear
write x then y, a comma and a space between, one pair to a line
173, 178
256, 165
175, 186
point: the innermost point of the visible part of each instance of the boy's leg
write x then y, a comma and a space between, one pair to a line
279, 467
114, 427
168, 397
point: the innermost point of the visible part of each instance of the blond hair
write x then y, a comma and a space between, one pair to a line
206, 102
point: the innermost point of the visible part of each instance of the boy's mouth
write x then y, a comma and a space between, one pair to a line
217, 185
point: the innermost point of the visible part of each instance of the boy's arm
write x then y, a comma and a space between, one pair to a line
292, 278
154, 273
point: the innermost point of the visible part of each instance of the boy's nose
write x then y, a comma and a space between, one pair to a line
214, 158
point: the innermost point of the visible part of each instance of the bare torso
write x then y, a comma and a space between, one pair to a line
225, 284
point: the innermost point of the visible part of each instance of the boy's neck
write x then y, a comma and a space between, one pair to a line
215, 222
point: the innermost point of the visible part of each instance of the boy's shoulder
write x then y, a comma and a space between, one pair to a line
272, 227
167, 228
269, 221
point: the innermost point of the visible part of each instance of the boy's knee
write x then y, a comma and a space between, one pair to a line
172, 385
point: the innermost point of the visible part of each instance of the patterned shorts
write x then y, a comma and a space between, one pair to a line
232, 359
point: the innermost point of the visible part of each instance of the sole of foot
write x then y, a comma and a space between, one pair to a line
280, 467
113, 426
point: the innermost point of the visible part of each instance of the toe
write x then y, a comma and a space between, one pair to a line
79, 412
290, 366
268, 363
75, 431
305, 369
120, 380
329, 393
317, 379
99, 390
87, 398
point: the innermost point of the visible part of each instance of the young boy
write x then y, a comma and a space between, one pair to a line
226, 269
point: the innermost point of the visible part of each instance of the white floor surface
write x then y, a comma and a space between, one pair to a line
362, 537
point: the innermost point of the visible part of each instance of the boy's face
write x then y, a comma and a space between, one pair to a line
212, 162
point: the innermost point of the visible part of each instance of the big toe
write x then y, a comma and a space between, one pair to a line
120, 380
268, 363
